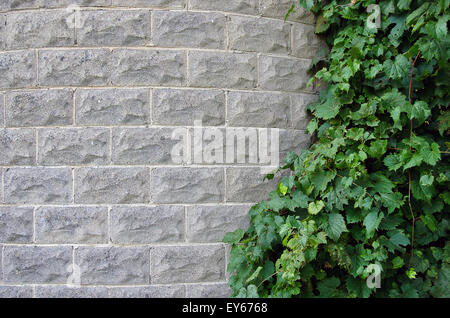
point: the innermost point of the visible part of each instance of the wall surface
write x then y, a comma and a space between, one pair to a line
90, 194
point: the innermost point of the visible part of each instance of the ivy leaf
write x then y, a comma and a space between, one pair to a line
441, 28
419, 111
358, 287
392, 162
377, 148
254, 275
403, 4
397, 262
392, 201
372, 221
398, 238
328, 287
336, 226
233, 237
315, 207
431, 156
396, 69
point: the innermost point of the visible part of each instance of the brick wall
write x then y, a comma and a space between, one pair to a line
87, 109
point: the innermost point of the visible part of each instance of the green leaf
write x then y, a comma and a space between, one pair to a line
377, 148
398, 238
328, 287
441, 28
403, 4
254, 275
315, 207
397, 262
336, 226
398, 68
372, 221
233, 237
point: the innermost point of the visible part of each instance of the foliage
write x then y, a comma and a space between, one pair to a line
374, 186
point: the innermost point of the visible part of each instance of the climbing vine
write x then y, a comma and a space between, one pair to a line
370, 199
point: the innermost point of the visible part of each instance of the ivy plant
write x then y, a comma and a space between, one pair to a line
372, 192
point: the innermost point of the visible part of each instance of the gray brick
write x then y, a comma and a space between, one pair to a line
188, 29
74, 67
144, 225
240, 6
72, 225
18, 4
66, 3
17, 147
16, 291
114, 28
2, 31
2, 110
247, 185
187, 185
148, 67
59, 291
188, 264
221, 290
37, 264
305, 42
143, 146
16, 225
39, 29
279, 8
283, 74
258, 109
183, 107
293, 140
38, 185
74, 146
300, 117
112, 106
113, 265
36, 108
161, 291
112, 185
223, 70
17, 69
259, 34
164, 4
209, 224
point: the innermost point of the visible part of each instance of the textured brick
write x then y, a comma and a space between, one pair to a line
144, 225
283, 74
165, 4
187, 185
39, 29
74, 67
188, 29
2, 31
17, 69
305, 42
222, 70
112, 106
211, 223
16, 225
300, 117
279, 8
37, 264
293, 140
148, 67
114, 28
240, 6
35, 108
112, 185
66, 3
17, 147
16, 291
247, 109
221, 290
183, 107
258, 34
247, 185
143, 146
38, 185
72, 225
187, 264
18, 4
58, 291
2, 110
113, 265
73, 146
175, 291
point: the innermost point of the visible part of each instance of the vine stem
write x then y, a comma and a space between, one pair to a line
409, 172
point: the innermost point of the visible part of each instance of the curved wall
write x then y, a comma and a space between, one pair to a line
92, 93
